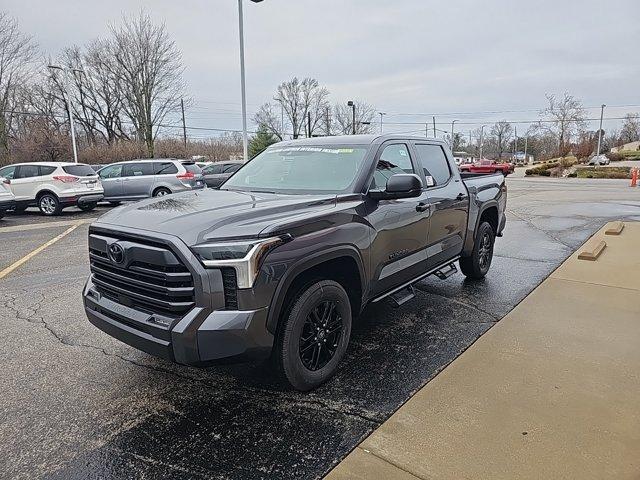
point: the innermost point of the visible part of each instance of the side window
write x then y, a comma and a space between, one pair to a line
394, 159
137, 169
434, 162
8, 172
165, 168
232, 168
113, 171
27, 171
214, 169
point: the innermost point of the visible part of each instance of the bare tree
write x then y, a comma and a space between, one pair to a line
299, 99
343, 118
568, 117
17, 55
630, 131
148, 73
501, 132
273, 122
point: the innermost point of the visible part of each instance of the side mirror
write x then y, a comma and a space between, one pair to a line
400, 185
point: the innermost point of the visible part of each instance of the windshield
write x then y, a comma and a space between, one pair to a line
300, 170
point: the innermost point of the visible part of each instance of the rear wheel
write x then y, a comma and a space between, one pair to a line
161, 192
87, 207
477, 264
314, 336
49, 204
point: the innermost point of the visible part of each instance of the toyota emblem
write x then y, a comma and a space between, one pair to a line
116, 253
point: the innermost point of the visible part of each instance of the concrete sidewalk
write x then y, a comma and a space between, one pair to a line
551, 391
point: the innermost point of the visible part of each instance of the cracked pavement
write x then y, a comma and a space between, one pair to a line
76, 403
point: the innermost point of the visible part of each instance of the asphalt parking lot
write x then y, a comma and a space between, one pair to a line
78, 404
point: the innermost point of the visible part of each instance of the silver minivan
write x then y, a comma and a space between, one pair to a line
139, 179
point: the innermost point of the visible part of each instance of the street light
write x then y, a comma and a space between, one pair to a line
382, 114
353, 116
481, 139
600, 130
69, 107
245, 139
452, 124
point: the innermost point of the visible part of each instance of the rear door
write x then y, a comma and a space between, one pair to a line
398, 251
449, 202
137, 179
87, 178
111, 177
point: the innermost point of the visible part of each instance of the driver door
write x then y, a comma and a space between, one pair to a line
398, 250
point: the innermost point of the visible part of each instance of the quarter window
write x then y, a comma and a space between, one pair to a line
434, 162
394, 159
47, 170
213, 169
165, 168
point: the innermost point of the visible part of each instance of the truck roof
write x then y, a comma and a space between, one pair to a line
353, 140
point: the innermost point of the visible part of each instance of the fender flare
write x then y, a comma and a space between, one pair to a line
275, 309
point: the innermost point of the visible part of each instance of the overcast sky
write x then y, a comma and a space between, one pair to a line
402, 56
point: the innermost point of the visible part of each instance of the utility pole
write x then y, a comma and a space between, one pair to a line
382, 114
351, 104
328, 121
309, 124
515, 142
600, 130
434, 128
184, 126
282, 121
69, 109
481, 139
526, 141
426, 130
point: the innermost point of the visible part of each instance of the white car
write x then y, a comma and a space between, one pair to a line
52, 186
7, 199
599, 160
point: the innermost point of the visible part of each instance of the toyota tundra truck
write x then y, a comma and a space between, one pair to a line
279, 261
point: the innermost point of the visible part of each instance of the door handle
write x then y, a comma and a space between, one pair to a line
461, 196
422, 207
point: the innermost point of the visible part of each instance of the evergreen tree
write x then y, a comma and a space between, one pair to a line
260, 141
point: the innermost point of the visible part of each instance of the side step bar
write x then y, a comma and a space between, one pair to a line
406, 291
444, 274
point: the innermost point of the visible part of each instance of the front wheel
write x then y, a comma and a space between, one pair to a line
314, 336
49, 204
477, 264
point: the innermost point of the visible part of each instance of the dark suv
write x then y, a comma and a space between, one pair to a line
292, 247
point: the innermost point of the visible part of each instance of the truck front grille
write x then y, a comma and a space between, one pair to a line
151, 278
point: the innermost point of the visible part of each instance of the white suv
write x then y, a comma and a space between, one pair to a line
52, 186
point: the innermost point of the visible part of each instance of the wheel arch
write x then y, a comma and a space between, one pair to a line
345, 266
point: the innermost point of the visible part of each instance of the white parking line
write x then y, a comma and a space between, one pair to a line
32, 254
37, 226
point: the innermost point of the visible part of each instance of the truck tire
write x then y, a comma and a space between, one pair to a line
314, 336
49, 204
477, 264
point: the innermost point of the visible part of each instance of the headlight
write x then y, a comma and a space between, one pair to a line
245, 256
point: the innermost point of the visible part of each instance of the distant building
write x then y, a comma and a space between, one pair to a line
627, 146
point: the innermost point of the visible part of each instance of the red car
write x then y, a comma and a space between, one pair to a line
488, 166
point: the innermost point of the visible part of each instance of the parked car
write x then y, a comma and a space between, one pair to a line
97, 166
52, 186
281, 258
488, 166
7, 199
216, 173
599, 160
139, 179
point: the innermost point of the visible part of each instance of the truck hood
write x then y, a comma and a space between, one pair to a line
197, 217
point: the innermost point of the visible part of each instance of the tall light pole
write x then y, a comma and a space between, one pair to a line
452, 124
382, 114
65, 73
245, 139
481, 140
600, 129
351, 104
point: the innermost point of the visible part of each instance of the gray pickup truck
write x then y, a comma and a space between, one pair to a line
279, 261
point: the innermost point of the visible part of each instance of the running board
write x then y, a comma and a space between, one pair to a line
415, 280
403, 296
444, 274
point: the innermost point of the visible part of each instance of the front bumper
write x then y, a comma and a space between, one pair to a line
218, 335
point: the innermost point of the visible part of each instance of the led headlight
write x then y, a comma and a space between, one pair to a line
245, 256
